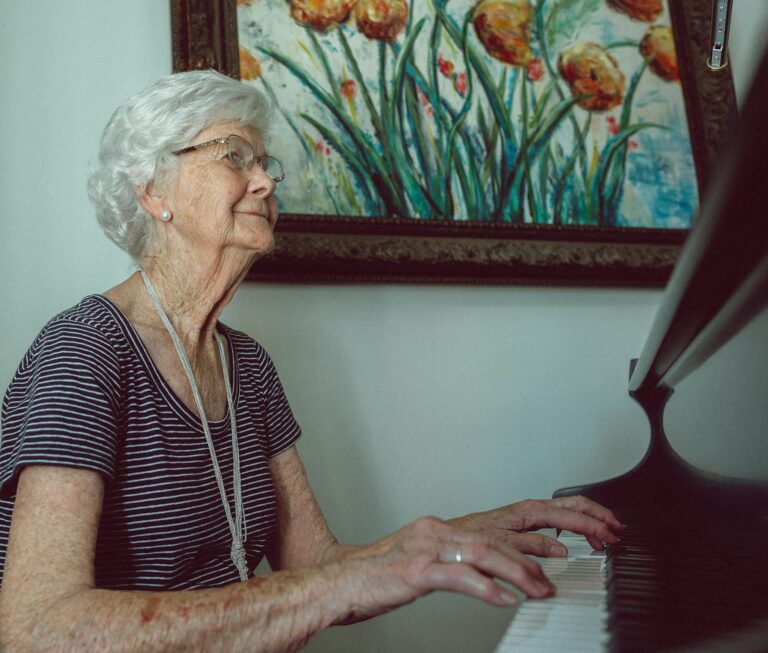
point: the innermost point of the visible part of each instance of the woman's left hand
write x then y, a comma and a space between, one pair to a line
512, 523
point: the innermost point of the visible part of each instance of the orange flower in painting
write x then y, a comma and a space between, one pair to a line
348, 89
503, 27
535, 70
321, 15
247, 3
250, 68
645, 10
659, 43
446, 67
382, 20
593, 75
460, 84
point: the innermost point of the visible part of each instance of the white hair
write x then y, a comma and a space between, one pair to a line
138, 140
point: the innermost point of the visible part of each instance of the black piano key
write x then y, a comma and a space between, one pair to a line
669, 586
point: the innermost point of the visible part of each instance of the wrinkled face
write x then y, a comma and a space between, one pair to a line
217, 205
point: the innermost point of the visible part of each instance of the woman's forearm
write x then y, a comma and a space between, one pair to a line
278, 612
339, 551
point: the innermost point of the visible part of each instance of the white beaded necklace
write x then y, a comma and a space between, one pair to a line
237, 526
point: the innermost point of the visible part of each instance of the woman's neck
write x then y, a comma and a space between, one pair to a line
193, 294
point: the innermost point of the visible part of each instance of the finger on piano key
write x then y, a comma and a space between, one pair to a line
575, 618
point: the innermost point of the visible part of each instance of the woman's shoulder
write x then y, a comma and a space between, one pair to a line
250, 353
92, 323
240, 339
93, 313
76, 346
91, 309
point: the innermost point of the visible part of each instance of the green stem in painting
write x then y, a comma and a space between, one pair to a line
359, 79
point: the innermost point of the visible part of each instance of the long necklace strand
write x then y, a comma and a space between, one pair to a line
237, 526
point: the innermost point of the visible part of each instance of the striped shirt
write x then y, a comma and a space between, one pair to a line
88, 395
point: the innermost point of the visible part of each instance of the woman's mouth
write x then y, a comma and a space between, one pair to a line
257, 214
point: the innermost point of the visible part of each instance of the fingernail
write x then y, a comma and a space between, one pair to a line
547, 588
557, 551
507, 597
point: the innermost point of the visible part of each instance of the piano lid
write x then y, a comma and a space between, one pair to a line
718, 286
720, 281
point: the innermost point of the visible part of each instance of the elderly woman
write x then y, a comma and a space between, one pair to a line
148, 457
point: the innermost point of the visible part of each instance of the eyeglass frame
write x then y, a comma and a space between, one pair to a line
224, 140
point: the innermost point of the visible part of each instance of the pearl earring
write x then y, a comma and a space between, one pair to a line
165, 216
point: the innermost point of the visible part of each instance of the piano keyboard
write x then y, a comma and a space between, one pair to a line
660, 589
575, 618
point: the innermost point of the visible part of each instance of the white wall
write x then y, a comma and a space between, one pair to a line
413, 400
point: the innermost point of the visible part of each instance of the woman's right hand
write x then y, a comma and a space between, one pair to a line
50, 601
430, 555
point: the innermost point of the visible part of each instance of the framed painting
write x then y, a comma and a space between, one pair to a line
490, 141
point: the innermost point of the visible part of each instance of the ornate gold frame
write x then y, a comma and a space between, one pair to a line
312, 248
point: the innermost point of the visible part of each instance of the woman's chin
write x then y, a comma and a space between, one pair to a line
255, 235
260, 244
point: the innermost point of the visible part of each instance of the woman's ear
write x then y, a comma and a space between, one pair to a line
153, 201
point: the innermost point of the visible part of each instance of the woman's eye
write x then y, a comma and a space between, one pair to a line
235, 160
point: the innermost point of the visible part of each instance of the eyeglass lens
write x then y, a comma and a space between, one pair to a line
240, 152
271, 166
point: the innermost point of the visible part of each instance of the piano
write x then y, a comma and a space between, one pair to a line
691, 571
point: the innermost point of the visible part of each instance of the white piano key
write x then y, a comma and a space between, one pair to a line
572, 620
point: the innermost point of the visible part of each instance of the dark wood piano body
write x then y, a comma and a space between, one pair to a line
691, 572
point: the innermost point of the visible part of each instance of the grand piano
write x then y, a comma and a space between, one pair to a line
691, 571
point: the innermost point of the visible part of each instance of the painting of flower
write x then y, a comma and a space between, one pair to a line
552, 112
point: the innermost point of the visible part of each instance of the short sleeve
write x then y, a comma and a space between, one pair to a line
265, 397
62, 407
282, 428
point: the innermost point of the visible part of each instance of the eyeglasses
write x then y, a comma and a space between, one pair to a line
240, 153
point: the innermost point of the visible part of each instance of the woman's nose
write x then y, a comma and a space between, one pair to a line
259, 181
